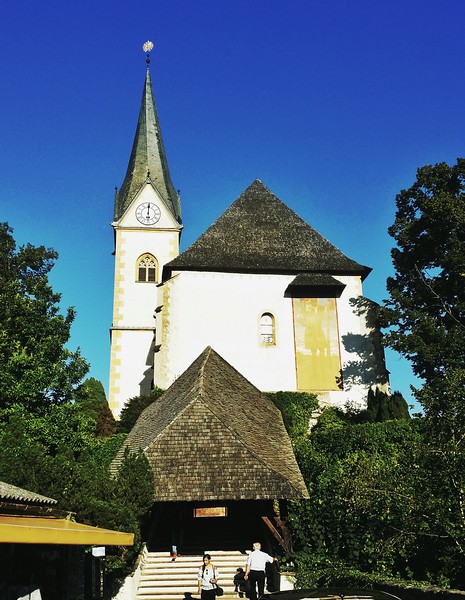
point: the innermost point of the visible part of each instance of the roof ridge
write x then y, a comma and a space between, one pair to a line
207, 352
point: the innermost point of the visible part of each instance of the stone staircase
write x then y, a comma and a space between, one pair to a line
164, 579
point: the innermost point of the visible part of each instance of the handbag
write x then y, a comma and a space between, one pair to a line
218, 590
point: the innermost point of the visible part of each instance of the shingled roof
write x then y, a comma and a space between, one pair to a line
258, 233
147, 163
214, 436
12, 493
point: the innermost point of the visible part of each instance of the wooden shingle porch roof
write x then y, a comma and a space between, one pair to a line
258, 233
214, 436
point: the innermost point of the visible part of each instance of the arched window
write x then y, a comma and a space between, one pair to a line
147, 267
267, 329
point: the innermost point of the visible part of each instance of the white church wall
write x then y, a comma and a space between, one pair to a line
223, 310
138, 299
357, 356
132, 366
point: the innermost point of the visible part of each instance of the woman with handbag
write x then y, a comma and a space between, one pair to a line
207, 579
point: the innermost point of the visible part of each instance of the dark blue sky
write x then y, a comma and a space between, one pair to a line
333, 105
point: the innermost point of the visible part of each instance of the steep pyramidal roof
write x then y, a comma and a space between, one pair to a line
258, 233
148, 159
213, 435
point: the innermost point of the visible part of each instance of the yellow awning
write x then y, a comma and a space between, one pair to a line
42, 530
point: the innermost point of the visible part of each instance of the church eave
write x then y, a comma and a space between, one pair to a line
174, 266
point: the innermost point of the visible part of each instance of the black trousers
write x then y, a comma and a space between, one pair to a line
208, 594
257, 579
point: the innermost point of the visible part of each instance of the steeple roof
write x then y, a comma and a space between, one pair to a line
147, 163
258, 233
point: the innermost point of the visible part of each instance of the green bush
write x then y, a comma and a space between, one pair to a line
363, 482
297, 409
133, 408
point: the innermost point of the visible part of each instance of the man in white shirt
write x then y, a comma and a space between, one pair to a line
255, 570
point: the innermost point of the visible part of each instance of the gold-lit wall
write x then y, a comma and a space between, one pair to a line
318, 361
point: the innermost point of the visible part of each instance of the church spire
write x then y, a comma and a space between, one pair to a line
147, 162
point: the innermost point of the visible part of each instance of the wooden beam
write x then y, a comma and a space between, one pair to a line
282, 524
275, 532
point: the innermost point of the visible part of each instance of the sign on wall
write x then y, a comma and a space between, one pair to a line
211, 511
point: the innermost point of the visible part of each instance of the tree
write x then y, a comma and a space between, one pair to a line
425, 317
133, 408
425, 314
366, 508
296, 409
385, 407
36, 367
57, 454
91, 398
56, 436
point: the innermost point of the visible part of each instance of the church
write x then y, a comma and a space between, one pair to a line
261, 287
261, 302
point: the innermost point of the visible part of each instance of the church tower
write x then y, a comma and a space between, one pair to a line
147, 225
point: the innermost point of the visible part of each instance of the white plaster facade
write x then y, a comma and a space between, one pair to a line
223, 310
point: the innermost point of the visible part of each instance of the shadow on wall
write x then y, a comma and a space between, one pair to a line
146, 383
369, 368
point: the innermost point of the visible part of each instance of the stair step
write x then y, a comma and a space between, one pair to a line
173, 582
162, 575
215, 553
193, 564
175, 592
182, 580
164, 579
198, 559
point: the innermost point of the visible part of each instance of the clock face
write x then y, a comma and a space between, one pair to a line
148, 213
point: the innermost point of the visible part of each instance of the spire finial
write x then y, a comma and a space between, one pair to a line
147, 47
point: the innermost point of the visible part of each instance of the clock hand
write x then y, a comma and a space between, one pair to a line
148, 210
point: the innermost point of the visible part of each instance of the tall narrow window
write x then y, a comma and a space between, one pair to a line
147, 268
267, 329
